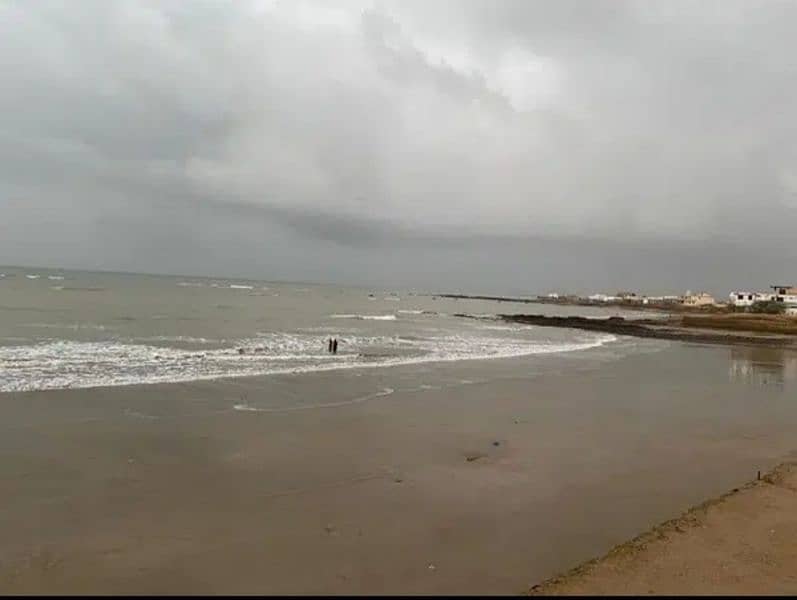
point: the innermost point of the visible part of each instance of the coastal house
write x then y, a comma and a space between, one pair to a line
699, 299
787, 294
628, 297
743, 299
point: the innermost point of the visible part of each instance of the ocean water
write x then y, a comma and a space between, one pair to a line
70, 329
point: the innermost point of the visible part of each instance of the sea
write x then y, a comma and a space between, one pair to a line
64, 329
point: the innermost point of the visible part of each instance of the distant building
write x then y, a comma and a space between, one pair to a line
787, 294
628, 296
785, 290
749, 298
661, 299
603, 298
699, 299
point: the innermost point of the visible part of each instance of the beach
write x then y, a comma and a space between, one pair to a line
175, 435
485, 477
742, 542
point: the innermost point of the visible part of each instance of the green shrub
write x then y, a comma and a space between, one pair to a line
769, 307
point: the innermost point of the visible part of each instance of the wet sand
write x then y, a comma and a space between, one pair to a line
168, 489
743, 542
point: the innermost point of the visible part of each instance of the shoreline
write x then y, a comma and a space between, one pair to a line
656, 307
738, 542
650, 328
478, 478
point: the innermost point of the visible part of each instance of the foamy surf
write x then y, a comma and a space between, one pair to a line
75, 364
365, 317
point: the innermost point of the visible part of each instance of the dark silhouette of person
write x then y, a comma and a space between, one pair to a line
329, 348
335, 346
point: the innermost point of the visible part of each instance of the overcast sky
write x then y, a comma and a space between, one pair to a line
483, 145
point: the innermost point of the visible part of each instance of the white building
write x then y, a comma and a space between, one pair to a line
603, 298
785, 293
661, 299
749, 298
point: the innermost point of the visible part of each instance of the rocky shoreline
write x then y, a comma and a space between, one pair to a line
652, 328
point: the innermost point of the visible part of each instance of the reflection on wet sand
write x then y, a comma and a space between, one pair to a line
764, 366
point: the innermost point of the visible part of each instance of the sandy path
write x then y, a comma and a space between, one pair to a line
744, 542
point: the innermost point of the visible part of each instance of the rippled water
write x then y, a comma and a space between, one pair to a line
97, 329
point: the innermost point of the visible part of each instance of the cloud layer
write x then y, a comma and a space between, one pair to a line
353, 141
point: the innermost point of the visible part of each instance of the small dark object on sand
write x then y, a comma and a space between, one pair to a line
474, 457
496, 443
241, 350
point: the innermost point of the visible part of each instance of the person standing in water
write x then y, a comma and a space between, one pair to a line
335, 346
329, 347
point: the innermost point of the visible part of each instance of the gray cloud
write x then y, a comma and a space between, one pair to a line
465, 143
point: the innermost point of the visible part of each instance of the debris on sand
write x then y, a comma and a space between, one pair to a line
475, 457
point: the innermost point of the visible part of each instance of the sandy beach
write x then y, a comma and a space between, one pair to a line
464, 478
743, 542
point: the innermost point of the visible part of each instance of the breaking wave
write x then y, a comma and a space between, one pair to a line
365, 317
80, 364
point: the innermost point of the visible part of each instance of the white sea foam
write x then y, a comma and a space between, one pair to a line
180, 338
506, 327
392, 299
55, 277
32, 276
80, 364
411, 312
365, 317
70, 326
234, 286
190, 284
383, 392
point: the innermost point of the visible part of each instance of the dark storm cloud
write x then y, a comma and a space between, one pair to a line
460, 142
